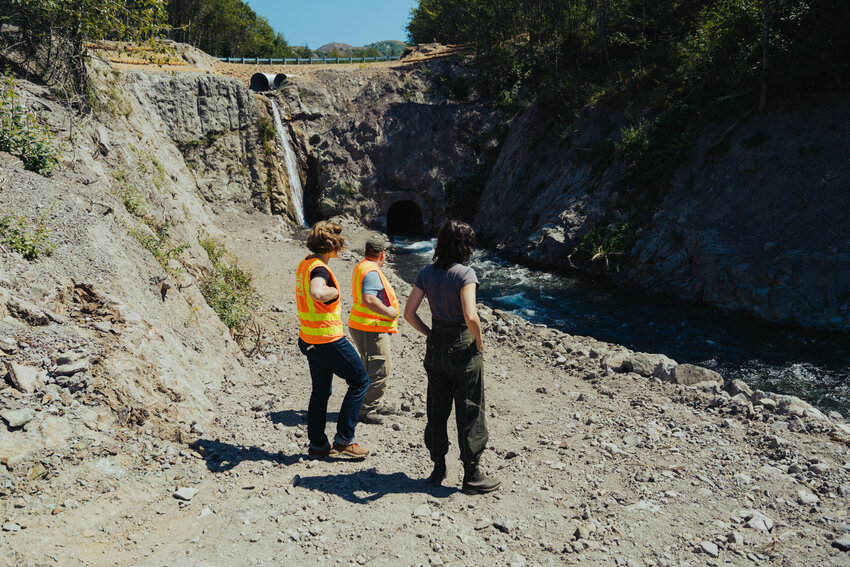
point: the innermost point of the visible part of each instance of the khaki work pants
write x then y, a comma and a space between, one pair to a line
374, 349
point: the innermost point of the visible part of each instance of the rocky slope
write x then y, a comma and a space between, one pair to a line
754, 222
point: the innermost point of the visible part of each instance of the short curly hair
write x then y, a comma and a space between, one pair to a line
325, 237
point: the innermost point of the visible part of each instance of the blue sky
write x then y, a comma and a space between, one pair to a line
353, 22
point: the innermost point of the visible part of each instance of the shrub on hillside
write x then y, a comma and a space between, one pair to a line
30, 239
228, 288
23, 135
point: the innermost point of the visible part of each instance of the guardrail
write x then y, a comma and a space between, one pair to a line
313, 61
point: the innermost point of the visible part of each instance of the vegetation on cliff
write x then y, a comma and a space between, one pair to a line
50, 39
665, 63
573, 51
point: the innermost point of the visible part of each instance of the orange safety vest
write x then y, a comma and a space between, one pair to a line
362, 318
320, 323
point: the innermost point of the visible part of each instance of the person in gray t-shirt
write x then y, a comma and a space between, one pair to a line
453, 355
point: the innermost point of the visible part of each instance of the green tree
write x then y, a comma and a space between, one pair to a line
49, 37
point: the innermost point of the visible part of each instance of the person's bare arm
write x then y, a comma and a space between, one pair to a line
410, 315
374, 304
470, 313
320, 290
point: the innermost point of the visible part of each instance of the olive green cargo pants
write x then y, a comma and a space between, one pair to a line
455, 372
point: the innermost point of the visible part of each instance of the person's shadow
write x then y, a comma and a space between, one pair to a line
221, 456
368, 485
291, 418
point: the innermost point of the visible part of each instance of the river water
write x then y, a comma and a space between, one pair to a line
813, 366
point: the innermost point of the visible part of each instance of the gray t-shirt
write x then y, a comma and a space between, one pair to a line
442, 288
372, 285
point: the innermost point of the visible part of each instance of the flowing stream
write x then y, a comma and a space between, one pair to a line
813, 366
295, 188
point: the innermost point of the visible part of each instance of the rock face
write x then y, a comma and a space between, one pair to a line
214, 123
405, 146
758, 228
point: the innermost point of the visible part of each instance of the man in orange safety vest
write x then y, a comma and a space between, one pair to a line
373, 318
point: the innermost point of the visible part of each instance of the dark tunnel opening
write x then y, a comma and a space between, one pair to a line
405, 219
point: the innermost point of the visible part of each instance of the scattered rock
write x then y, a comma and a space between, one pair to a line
8, 345
806, 497
820, 469
709, 548
504, 525
422, 511
27, 379
736, 387
842, 543
17, 418
646, 364
72, 368
185, 494
758, 521
28, 312
614, 361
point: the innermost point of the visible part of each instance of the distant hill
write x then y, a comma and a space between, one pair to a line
343, 48
384, 48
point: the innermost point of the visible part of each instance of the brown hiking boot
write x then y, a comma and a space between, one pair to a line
321, 453
352, 450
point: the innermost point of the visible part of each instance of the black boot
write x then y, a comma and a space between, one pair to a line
476, 483
438, 474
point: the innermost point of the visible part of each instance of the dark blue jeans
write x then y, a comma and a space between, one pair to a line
340, 358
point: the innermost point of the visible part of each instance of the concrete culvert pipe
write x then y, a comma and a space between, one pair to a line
266, 81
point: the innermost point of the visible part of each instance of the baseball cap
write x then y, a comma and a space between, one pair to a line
376, 244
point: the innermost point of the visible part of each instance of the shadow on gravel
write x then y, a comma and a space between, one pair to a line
368, 485
291, 418
224, 456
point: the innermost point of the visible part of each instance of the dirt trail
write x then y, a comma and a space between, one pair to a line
598, 468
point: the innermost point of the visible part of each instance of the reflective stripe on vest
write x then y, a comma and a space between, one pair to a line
320, 323
362, 318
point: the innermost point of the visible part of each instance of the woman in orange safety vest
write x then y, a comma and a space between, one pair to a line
322, 341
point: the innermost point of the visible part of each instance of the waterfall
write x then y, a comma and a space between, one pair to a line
295, 188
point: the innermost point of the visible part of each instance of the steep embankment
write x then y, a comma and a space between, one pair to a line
754, 221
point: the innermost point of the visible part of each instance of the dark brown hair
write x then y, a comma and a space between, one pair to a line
454, 244
325, 237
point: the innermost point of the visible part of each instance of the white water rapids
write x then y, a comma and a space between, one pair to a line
295, 188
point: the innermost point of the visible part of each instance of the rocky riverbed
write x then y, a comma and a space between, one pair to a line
606, 457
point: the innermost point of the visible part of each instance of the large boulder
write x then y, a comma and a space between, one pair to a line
27, 379
648, 364
689, 374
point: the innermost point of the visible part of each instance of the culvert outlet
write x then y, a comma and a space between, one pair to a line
266, 81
